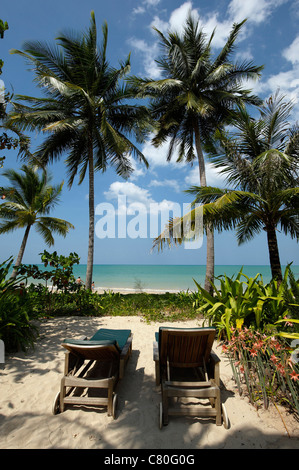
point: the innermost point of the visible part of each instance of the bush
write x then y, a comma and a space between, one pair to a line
264, 367
16, 327
247, 302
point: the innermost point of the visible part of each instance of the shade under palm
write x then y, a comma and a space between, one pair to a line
85, 113
28, 201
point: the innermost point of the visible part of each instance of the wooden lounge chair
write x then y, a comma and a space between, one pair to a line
186, 366
94, 383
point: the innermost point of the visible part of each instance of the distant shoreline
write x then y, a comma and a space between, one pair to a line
123, 290
160, 278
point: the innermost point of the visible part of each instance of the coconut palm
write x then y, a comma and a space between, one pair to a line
261, 162
196, 95
28, 201
85, 111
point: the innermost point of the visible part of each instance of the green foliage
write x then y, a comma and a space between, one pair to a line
263, 368
152, 307
291, 296
16, 327
63, 303
247, 302
3, 27
60, 273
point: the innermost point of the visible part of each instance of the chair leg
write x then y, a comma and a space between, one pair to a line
218, 408
165, 407
62, 394
110, 396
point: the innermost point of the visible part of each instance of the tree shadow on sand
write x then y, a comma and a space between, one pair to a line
26, 420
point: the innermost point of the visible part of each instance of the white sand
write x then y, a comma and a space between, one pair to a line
122, 290
29, 383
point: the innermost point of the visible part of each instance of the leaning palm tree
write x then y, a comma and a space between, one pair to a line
261, 162
28, 201
85, 111
197, 94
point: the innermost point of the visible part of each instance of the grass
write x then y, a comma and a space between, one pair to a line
152, 307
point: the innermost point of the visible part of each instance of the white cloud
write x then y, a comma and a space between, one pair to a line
133, 192
157, 157
257, 11
139, 10
131, 198
151, 3
291, 53
179, 15
173, 184
146, 4
149, 53
160, 25
212, 175
286, 81
244, 55
139, 170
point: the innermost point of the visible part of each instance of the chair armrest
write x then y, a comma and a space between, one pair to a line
214, 357
124, 356
215, 367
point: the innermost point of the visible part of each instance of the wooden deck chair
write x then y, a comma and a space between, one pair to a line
93, 383
187, 367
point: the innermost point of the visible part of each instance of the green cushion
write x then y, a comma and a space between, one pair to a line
120, 336
104, 337
82, 342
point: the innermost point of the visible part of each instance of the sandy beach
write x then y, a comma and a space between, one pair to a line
29, 383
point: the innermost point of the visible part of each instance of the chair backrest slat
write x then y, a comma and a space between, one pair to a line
95, 353
185, 347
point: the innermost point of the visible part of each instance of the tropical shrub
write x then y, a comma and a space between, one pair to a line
247, 302
60, 272
264, 367
17, 330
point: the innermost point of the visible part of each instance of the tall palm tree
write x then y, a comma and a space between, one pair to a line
261, 162
196, 95
28, 201
85, 112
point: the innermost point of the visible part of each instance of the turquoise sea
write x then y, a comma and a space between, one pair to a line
166, 277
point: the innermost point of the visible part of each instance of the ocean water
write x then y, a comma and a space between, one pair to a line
163, 277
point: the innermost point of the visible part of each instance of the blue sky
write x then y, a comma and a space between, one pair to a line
270, 37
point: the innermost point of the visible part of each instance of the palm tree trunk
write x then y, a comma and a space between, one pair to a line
210, 260
274, 253
21, 252
90, 254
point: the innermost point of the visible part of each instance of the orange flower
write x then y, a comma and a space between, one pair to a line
281, 369
259, 344
274, 359
253, 352
294, 376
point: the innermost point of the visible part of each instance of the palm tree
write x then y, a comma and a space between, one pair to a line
29, 200
261, 161
85, 112
196, 95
